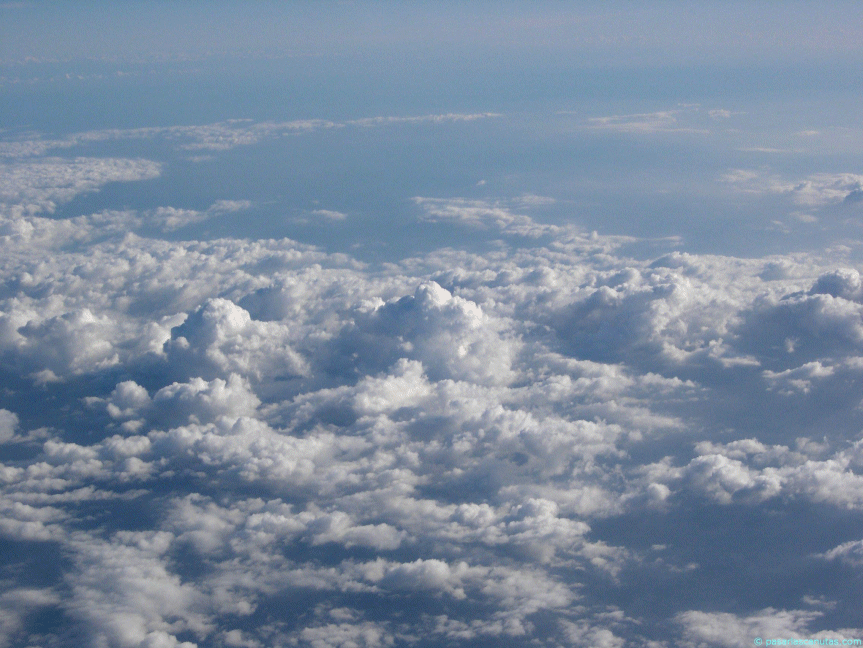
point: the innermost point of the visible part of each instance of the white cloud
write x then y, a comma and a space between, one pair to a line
720, 113
127, 399
39, 186
847, 552
585, 634
347, 635
16, 605
200, 400
815, 191
224, 135
330, 214
474, 213
420, 119
747, 471
8, 423
451, 335
126, 596
666, 121
221, 338
169, 219
254, 442
706, 629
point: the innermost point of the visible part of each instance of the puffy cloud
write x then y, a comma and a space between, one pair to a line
583, 633
749, 471
73, 233
823, 189
847, 552
801, 328
71, 342
844, 283
475, 213
18, 604
199, 400
220, 339
126, 596
451, 335
726, 629
815, 191
169, 219
249, 443
722, 479
127, 400
347, 635
8, 423
39, 186
20, 521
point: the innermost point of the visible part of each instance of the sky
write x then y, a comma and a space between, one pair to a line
373, 324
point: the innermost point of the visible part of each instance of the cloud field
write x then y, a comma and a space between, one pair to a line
561, 442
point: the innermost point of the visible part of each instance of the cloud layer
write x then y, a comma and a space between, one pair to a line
254, 443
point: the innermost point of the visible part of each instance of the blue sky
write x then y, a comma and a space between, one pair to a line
408, 324
631, 118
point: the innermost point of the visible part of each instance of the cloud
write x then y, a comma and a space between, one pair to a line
725, 629
848, 552
221, 337
345, 635
475, 213
747, 471
329, 214
169, 219
434, 119
815, 191
721, 113
802, 327
495, 215
8, 423
254, 442
449, 334
224, 135
79, 231
16, 605
127, 597
39, 186
666, 121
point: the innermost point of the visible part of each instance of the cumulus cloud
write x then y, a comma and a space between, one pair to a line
8, 423
16, 605
251, 443
449, 334
126, 596
221, 337
474, 213
79, 231
347, 635
725, 629
39, 186
815, 191
169, 219
847, 552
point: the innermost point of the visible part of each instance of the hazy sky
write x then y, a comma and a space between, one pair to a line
363, 324
600, 32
